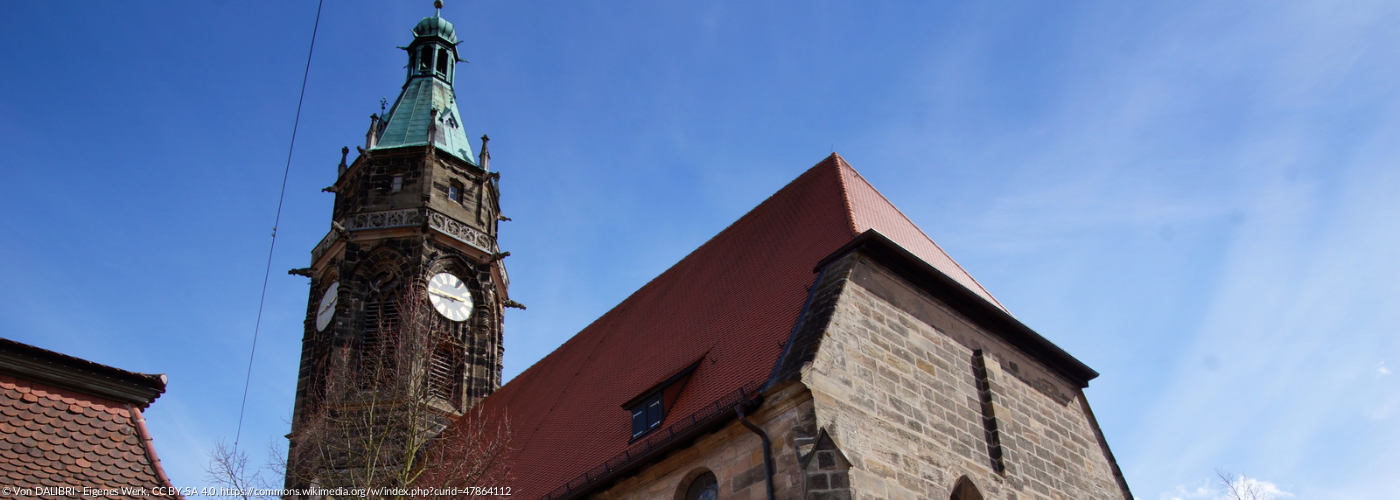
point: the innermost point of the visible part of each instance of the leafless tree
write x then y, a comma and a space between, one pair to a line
389, 418
1244, 488
228, 470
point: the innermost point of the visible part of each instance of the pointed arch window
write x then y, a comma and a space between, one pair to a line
445, 371
377, 345
965, 490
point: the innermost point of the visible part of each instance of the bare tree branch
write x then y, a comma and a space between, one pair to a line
385, 420
228, 469
1244, 488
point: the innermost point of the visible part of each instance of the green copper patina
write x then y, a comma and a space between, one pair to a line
426, 110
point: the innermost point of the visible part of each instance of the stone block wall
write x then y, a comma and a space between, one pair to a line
900, 399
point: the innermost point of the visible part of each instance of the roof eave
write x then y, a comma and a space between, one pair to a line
67, 372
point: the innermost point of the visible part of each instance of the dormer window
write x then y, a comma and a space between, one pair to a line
647, 416
648, 411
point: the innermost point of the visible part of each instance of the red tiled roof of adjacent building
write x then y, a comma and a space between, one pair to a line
730, 304
54, 437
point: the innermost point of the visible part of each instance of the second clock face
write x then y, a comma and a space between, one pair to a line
450, 297
326, 310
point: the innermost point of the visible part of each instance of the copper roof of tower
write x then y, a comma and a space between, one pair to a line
427, 107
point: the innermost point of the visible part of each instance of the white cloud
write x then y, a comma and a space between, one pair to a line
1248, 488
1382, 371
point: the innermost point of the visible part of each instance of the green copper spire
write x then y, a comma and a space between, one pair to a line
427, 110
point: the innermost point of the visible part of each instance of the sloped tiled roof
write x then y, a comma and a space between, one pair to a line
54, 438
731, 302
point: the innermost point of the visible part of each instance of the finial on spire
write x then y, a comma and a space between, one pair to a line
437, 4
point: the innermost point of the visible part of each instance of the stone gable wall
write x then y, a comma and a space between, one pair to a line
900, 399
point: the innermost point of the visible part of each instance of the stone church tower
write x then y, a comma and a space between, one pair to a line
415, 218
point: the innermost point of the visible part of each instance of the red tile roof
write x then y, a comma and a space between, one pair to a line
731, 302
51, 437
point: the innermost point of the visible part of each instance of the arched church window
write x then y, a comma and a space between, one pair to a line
442, 62
703, 487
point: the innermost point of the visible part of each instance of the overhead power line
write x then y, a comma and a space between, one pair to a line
282, 195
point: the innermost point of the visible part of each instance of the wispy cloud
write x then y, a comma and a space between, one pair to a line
1264, 134
1183, 492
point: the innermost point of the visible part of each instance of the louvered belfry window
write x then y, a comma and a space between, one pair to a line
381, 322
445, 373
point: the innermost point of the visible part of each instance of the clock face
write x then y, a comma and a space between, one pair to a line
326, 310
450, 297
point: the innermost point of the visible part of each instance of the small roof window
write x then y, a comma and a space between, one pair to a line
647, 416
649, 410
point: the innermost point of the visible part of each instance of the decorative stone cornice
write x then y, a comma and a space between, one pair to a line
384, 219
461, 232
410, 217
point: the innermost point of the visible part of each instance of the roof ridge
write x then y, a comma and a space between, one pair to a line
846, 194
838, 162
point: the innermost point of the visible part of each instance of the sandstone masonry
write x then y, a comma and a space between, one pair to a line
878, 397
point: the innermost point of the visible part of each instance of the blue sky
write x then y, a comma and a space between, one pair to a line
1197, 199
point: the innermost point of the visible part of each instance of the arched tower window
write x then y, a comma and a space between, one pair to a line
378, 342
425, 59
703, 487
965, 490
445, 371
378, 332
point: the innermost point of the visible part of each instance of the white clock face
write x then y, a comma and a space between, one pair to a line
326, 310
450, 297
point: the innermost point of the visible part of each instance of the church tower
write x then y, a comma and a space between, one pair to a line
412, 250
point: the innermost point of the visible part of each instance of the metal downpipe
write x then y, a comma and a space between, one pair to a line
767, 448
